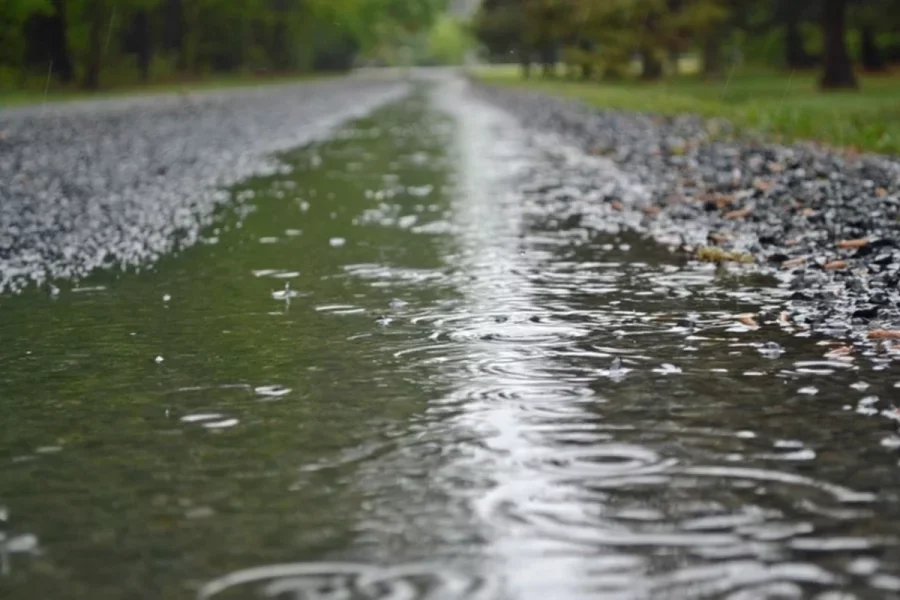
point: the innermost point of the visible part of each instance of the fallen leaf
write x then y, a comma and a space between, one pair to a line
807, 212
835, 265
880, 192
723, 200
858, 243
793, 262
718, 255
740, 213
839, 352
884, 334
617, 205
748, 319
762, 185
718, 238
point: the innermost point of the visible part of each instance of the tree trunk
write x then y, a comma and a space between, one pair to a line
796, 56
190, 37
673, 58
587, 70
548, 61
587, 57
838, 70
59, 43
143, 43
173, 29
872, 58
94, 63
712, 56
525, 62
651, 66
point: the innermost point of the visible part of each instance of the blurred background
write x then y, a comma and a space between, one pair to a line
94, 44
758, 63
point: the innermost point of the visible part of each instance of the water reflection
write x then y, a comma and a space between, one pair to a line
583, 482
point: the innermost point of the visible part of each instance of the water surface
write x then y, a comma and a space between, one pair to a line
425, 364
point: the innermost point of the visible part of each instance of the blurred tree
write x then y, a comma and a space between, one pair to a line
448, 41
46, 39
98, 14
14, 14
837, 67
872, 17
110, 40
794, 13
500, 26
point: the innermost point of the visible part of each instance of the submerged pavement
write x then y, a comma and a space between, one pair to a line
122, 182
434, 362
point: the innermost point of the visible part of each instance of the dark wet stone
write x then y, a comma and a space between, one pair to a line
865, 313
572, 221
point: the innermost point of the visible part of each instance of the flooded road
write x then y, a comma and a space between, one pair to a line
420, 365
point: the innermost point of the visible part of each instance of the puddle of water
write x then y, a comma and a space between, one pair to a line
413, 368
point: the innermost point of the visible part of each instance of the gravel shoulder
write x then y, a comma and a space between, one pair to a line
825, 224
118, 182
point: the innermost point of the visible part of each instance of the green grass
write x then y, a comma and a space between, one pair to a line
782, 106
36, 95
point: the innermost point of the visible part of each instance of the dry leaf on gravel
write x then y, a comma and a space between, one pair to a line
793, 262
884, 334
748, 319
858, 243
617, 205
840, 353
762, 185
835, 265
740, 213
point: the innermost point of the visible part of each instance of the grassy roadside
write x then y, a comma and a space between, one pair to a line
13, 98
782, 106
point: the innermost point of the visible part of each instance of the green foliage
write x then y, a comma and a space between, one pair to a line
448, 41
13, 15
601, 37
104, 42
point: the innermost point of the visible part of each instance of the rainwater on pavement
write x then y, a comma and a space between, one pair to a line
412, 368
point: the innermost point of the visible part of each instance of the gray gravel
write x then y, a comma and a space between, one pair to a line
116, 182
788, 207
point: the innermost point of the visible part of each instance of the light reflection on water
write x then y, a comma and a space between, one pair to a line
489, 389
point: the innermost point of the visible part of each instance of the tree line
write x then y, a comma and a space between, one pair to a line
602, 38
89, 43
